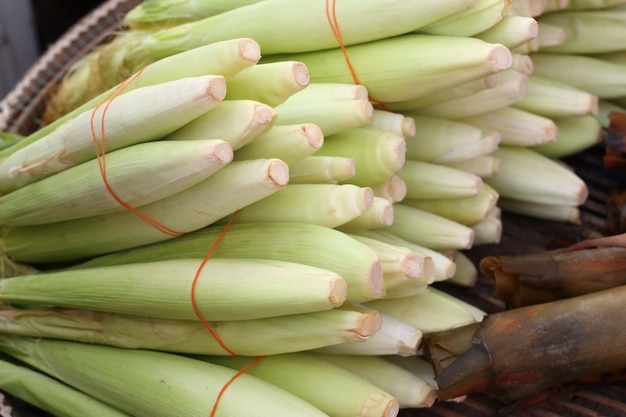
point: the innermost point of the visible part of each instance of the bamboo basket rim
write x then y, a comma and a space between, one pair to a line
21, 108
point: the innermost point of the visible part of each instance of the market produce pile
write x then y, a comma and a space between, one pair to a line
274, 186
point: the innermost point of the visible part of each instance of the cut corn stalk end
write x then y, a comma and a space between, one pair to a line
500, 57
278, 172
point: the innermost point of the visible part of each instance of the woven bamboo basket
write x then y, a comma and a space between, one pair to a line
21, 109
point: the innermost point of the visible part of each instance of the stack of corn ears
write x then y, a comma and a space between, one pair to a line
346, 194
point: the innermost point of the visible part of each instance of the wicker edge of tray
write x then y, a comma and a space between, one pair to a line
21, 107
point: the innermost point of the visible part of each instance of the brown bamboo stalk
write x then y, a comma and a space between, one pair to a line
615, 155
589, 266
521, 352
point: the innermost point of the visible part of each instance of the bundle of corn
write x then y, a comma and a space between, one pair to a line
575, 82
346, 168
299, 238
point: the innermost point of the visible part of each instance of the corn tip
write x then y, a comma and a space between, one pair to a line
408, 127
450, 270
401, 153
413, 266
369, 324
582, 194
387, 215
398, 186
522, 85
359, 92
533, 28
478, 184
313, 134
250, 50
550, 133
430, 397
351, 166
338, 291
216, 87
301, 74
264, 114
526, 65
368, 198
469, 239
376, 280
368, 110
500, 57
221, 152
429, 270
392, 409
594, 106
574, 216
278, 172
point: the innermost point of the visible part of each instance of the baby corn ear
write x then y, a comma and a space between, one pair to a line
331, 116
552, 99
407, 67
426, 181
338, 392
46, 393
227, 289
198, 206
428, 229
378, 154
607, 82
467, 210
237, 122
544, 181
271, 335
139, 175
304, 243
127, 120
177, 386
160, 14
441, 140
289, 143
318, 169
394, 337
328, 205
511, 31
410, 390
226, 58
270, 83
425, 311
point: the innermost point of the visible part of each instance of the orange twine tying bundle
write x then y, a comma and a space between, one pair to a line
331, 16
99, 147
237, 375
101, 155
195, 281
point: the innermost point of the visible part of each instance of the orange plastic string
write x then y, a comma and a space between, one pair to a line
101, 155
237, 375
195, 282
331, 16
206, 323
101, 158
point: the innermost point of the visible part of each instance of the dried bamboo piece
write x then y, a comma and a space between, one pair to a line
523, 352
615, 155
588, 266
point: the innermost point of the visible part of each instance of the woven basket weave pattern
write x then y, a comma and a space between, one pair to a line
21, 109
